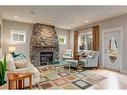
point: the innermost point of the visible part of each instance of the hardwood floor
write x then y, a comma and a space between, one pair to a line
114, 80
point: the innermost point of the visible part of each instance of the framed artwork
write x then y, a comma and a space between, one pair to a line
62, 39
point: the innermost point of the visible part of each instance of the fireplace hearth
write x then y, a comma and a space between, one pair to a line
45, 57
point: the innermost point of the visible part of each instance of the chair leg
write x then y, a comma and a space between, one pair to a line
84, 68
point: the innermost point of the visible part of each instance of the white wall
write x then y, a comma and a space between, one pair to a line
62, 47
1, 49
119, 21
71, 39
24, 48
13, 25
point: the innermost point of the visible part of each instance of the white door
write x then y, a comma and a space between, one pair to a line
112, 49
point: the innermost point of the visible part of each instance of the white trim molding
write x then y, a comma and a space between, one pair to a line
103, 50
18, 32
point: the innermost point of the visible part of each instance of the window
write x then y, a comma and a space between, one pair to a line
62, 39
18, 36
85, 40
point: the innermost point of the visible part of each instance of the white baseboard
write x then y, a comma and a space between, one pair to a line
124, 72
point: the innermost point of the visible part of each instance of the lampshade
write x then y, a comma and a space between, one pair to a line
12, 49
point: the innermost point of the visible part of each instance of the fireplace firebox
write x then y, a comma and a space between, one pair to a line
45, 57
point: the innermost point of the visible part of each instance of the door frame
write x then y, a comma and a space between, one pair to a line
103, 49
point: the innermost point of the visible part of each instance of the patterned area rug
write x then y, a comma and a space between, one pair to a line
51, 79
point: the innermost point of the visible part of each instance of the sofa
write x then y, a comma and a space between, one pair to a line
11, 67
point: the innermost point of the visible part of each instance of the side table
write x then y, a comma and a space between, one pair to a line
18, 78
79, 65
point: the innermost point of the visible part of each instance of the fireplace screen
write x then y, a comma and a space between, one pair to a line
46, 57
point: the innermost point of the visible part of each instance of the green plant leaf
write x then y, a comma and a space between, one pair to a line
1, 74
3, 64
0, 68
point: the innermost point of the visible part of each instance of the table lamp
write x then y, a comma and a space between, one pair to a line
12, 51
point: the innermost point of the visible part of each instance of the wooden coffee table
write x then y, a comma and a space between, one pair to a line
16, 80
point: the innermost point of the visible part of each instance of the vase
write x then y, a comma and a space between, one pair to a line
4, 86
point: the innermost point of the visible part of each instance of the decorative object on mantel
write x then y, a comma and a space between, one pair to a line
12, 51
44, 39
3, 63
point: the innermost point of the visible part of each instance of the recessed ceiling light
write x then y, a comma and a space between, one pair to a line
15, 17
32, 12
49, 22
71, 22
86, 21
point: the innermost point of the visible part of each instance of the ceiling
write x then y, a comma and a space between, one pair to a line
66, 17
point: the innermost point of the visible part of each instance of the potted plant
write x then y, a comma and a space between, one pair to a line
3, 64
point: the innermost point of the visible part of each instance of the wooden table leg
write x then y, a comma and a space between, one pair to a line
23, 83
69, 68
16, 85
30, 82
20, 84
11, 85
78, 63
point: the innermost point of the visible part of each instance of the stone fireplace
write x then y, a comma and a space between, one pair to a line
44, 45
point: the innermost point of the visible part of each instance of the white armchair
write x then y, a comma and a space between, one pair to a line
67, 54
91, 60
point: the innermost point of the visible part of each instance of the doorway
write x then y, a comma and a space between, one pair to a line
112, 49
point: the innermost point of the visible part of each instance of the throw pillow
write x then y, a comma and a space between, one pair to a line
10, 66
10, 63
20, 57
10, 57
21, 64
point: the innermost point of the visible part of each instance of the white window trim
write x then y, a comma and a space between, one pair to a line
82, 35
17, 32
